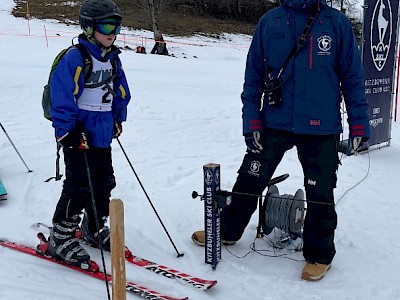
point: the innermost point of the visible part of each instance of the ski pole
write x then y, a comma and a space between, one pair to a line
16, 150
148, 198
96, 218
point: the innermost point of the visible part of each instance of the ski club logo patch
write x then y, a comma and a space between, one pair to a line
208, 177
254, 168
324, 45
381, 33
217, 177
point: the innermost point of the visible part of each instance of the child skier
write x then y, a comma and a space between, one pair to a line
86, 116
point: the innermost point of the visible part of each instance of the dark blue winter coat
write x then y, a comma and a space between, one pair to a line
312, 79
67, 85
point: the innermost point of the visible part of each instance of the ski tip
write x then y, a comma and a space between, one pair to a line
211, 285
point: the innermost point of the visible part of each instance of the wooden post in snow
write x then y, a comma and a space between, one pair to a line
117, 230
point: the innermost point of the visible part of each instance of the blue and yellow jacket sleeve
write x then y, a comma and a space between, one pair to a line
122, 95
66, 85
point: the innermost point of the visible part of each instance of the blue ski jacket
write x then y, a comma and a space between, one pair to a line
67, 86
311, 83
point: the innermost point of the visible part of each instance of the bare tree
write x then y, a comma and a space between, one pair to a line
153, 7
239, 7
349, 7
227, 4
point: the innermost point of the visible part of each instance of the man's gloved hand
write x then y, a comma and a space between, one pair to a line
252, 140
358, 143
75, 140
117, 129
358, 137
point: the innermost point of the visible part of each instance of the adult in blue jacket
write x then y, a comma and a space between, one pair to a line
307, 116
86, 116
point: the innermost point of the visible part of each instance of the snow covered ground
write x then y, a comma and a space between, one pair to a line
185, 112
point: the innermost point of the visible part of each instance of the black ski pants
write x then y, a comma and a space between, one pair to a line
319, 160
76, 193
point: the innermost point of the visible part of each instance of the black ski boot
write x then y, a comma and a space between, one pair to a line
92, 236
64, 245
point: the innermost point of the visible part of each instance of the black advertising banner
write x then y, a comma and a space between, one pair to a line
380, 29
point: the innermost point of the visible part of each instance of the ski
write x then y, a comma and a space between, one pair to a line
200, 283
3, 191
93, 271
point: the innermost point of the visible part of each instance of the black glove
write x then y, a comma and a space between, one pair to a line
76, 140
117, 129
223, 198
252, 140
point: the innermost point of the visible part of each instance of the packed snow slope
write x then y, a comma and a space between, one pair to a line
185, 112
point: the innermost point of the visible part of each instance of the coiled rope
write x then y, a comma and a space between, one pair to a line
285, 212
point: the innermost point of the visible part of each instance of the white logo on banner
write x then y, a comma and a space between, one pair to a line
376, 110
381, 26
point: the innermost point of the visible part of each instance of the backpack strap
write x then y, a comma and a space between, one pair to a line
87, 61
58, 175
114, 63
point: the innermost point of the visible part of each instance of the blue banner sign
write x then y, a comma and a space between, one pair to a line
212, 221
380, 30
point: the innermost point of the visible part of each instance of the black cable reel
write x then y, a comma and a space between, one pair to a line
285, 212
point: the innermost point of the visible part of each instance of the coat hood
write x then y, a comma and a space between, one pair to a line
98, 52
303, 5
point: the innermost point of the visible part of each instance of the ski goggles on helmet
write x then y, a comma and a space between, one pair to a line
108, 26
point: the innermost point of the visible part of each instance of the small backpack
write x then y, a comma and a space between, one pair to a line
88, 68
